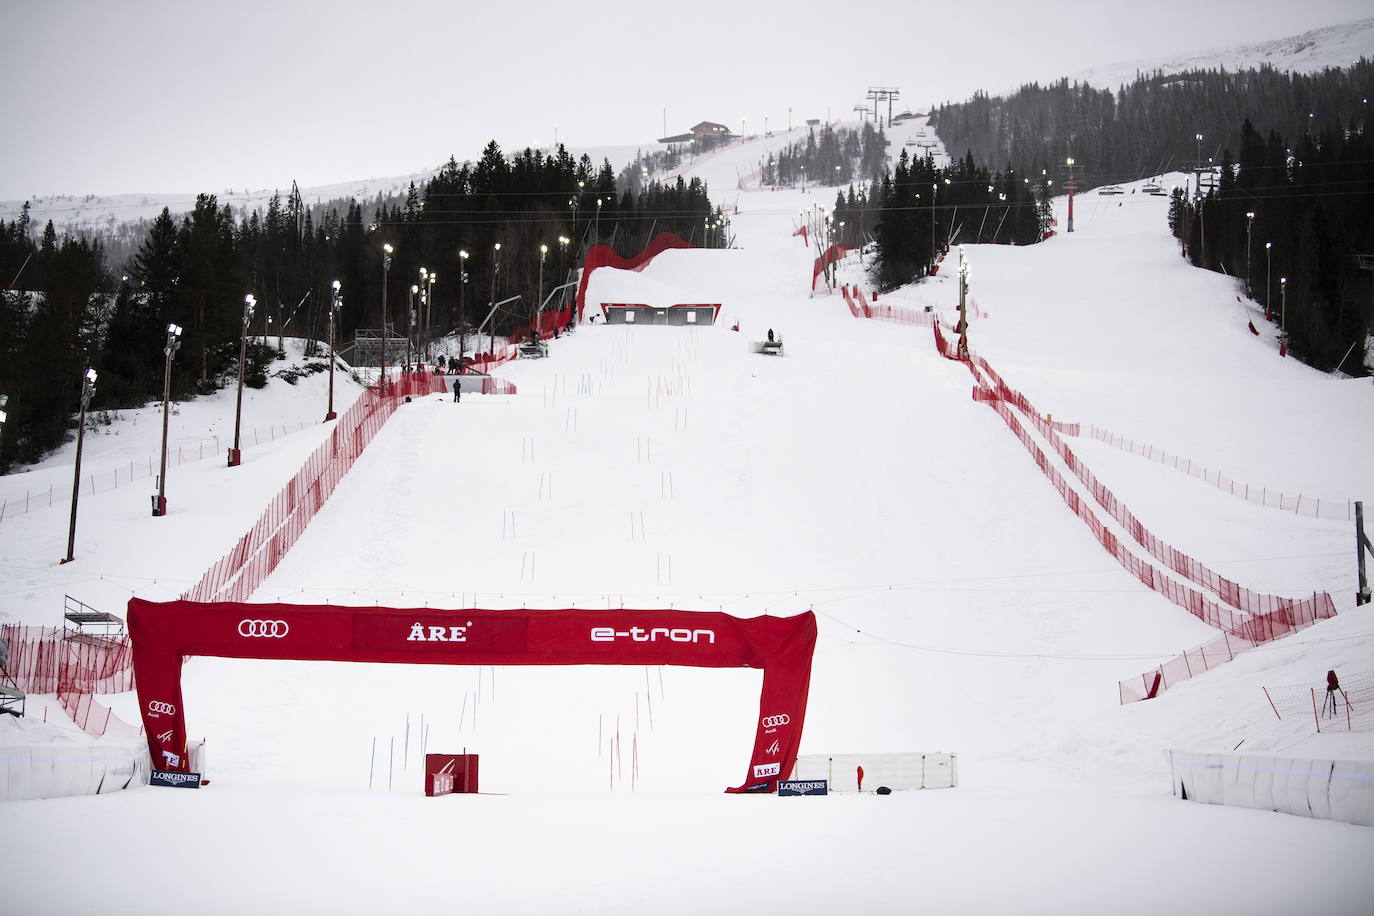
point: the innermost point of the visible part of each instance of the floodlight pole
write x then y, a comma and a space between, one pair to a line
87, 390
169, 350
381, 363
462, 306
1071, 187
1268, 276
1249, 225
1362, 546
335, 304
426, 325
1283, 304
963, 305
410, 318
495, 269
235, 454
543, 251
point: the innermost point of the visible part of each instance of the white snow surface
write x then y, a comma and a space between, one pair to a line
1310, 52
962, 608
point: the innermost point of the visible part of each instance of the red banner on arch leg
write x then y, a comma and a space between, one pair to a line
163, 633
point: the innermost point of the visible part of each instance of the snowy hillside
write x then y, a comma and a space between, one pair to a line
1334, 46
73, 212
962, 608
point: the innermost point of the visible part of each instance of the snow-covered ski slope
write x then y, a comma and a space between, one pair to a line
736, 166
961, 608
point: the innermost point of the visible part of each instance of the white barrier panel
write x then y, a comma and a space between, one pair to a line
896, 771
56, 770
1338, 790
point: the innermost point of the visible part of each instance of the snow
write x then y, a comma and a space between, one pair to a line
961, 609
1310, 52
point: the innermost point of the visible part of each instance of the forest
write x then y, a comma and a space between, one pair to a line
1282, 178
520, 219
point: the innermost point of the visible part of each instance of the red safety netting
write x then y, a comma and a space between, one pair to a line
1270, 617
605, 256
896, 314
943, 345
73, 666
1346, 706
849, 301
1309, 506
860, 307
832, 254
1291, 614
257, 553
485, 361
548, 325
782, 647
1237, 596
126, 473
497, 386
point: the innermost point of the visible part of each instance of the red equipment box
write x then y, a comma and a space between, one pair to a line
449, 773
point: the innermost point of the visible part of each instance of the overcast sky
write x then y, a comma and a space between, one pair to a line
110, 96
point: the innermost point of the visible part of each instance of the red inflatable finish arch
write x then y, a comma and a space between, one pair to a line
162, 633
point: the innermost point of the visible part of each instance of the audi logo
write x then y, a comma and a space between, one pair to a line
161, 707
269, 629
775, 721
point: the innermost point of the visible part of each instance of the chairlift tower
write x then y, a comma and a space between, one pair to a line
878, 93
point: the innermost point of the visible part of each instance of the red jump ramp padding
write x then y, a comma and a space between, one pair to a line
605, 256
164, 633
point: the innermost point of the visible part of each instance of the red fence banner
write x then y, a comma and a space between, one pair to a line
832, 254
164, 633
605, 256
